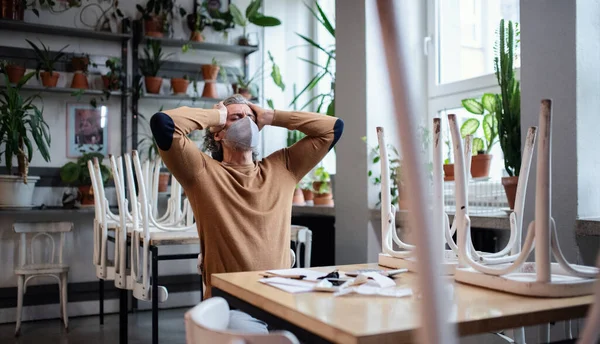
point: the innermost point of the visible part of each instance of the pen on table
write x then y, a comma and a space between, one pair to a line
270, 274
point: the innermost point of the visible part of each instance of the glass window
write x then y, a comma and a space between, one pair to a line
467, 32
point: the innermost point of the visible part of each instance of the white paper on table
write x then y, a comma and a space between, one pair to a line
310, 274
288, 285
381, 280
370, 289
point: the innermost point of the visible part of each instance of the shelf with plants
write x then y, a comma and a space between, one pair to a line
228, 48
97, 78
21, 26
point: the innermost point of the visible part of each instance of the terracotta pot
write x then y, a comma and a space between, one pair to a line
15, 73
87, 195
243, 41
154, 26
480, 165
111, 83
49, 80
163, 181
510, 188
323, 199
244, 92
308, 195
12, 9
209, 74
298, 198
153, 84
80, 63
197, 37
448, 172
179, 85
79, 80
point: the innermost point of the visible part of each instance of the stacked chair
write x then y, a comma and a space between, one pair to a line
136, 222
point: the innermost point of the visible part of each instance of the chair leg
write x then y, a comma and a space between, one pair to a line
63, 299
20, 292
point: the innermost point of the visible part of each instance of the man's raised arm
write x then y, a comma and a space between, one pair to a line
170, 129
322, 133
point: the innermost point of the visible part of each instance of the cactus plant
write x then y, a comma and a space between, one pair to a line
508, 103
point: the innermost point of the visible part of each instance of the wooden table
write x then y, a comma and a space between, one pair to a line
322, 318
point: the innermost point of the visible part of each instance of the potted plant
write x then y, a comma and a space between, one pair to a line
209, 74
482, 147
157, 16
22, 126
508, 107
150, 66
248, 87
251, 16
448, 165
80, 67
197, 23
76, 173
180, 85
322, 187
306, 185
14, 71
46, 61
111, 80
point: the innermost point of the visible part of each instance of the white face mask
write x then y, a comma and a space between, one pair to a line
243, 133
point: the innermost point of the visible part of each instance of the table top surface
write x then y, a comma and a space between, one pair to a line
375, 319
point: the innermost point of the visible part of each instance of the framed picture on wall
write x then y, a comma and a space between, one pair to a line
87, 129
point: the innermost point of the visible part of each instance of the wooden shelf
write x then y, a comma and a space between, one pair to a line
65, 90
229, 48
15, 25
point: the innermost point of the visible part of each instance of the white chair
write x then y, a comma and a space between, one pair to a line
208, 321
302, 235
37, 243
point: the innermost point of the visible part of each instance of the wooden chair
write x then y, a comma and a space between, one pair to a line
208, 321
37, 243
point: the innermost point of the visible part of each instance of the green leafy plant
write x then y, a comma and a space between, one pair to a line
486, 108
154, 58
325, 100
46, 59
322, 176
76, 173
165, 9
251, 83
219, 21
21, 126
252, 16
508, 103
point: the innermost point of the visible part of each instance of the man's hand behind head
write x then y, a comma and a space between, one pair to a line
223, 117
263, 116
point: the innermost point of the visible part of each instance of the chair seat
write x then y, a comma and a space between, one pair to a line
35, 269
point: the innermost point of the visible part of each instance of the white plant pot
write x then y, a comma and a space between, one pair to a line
14, 193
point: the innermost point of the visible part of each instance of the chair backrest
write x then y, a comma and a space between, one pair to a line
42, 246
207, 323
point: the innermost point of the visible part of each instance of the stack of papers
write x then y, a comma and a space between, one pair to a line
376, 285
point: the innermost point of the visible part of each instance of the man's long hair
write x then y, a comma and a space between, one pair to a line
214, 147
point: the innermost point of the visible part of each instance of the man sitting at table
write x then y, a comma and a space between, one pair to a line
242, 207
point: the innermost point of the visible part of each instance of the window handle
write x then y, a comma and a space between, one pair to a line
426, 42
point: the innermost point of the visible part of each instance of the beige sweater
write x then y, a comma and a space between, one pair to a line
243, 212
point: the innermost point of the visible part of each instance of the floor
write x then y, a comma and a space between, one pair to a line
87, 330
